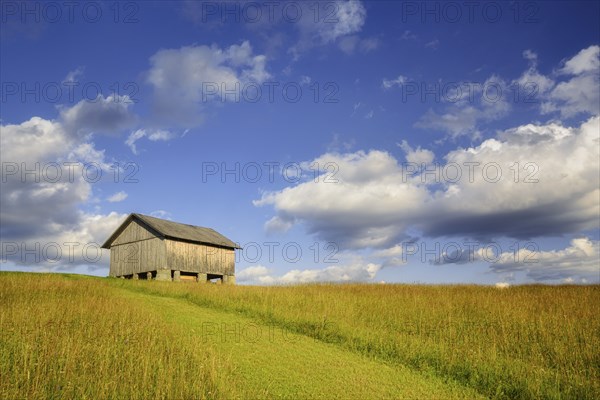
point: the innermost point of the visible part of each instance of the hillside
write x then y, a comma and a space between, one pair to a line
65, 336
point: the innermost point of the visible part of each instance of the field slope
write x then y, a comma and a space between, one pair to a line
64, 336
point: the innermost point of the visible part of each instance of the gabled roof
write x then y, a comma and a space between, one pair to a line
174, 230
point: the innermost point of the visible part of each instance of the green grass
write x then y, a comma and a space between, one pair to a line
91, 337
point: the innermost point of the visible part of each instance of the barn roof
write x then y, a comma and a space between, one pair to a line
174, 230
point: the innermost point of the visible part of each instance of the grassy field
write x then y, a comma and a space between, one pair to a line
64, 336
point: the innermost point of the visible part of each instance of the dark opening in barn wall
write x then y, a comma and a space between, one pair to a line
215, 278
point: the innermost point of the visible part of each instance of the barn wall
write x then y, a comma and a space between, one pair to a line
143, 256
134, 232
191, 257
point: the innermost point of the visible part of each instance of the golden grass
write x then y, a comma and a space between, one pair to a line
78, 338
521, 342
81, 337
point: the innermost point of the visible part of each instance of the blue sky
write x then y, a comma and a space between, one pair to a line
375, 107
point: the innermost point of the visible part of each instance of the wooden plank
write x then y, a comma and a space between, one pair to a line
134, 232
138, 257
192, 257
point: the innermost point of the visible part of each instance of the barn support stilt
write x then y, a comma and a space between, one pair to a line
176, 276
229, 279
163, 275
136, 276
202, 278
149, 276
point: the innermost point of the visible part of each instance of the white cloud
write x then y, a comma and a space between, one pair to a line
305, 80
153, 136
343, 273
252, 274
278, 225
418, 156
43, 208
579, 260
579, 93
102, 115
161, 214
349, 18
531, 83
375, 202
117, 197
390, 83
531, 56
464, 116
355, 270
186, 79
587, 60
573, 90
392, 256
72, 76
339, 27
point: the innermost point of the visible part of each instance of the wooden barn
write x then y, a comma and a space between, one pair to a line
146, 247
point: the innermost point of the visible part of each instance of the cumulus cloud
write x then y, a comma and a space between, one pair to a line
578, 261
464, 112
355, 270
377, 199
572, 90
349, 18
117, 197
340, 22
417, 156
587, 60
42, 207
531, 82
109, 115
575, 88
187, 78
355, 212
254, 274
278, 224
392, 256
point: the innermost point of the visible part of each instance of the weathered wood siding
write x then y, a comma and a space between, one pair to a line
134, 232
136, 257
191, 257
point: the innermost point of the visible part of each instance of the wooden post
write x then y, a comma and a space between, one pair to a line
229, 279
163, 275
202, 278
149, 276
176, 276
136, 276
